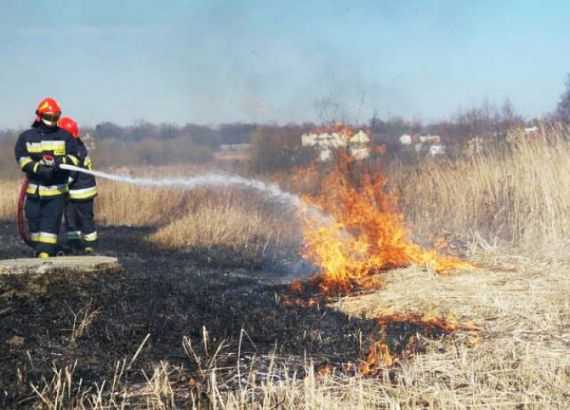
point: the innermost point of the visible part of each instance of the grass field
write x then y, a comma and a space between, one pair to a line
194, 322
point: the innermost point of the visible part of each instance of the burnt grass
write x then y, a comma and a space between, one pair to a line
169, 295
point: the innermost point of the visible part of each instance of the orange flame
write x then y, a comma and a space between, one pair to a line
368, 234
379, 356
427, 322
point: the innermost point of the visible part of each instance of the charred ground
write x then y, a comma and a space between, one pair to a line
167, 294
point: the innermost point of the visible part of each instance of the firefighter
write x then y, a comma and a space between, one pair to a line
39, 152
79, 216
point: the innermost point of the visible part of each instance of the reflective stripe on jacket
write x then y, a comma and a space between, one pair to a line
84, 186
30, 148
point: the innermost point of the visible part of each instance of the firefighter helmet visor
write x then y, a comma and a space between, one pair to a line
50, 118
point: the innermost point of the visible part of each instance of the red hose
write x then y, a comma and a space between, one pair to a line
21, 222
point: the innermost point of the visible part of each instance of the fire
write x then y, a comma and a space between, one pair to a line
368, 234
428, 322
379, 356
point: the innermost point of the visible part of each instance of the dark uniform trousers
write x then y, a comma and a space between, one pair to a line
79, 216
44, 219
80, 224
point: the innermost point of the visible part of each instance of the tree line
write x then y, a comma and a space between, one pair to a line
277, 147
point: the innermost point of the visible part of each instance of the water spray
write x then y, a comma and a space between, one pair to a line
205, 180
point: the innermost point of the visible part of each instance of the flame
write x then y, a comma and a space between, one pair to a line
428, 322
290, 300
368, 234
365, 236
379, 356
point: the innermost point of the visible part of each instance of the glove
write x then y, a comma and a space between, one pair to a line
44, 171
53, 162
88, 164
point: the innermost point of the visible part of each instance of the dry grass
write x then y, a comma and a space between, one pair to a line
232, 218
519, 359
82, 320
214, 225
8, 199
520, 195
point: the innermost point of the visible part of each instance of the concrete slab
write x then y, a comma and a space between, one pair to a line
60, 264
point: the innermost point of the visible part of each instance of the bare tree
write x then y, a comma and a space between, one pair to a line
563, 107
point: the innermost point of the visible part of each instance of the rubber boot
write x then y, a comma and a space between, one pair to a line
89, 250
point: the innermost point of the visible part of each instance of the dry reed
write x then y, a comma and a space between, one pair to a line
519, 194
519, 359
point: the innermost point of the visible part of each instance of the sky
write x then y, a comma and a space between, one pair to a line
220, 61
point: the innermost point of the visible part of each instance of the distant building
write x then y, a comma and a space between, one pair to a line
359, 152
424, 144
437, 150
360, 138
357, 143
406, 139
430, 139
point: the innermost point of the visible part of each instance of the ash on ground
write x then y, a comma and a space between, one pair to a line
176, 298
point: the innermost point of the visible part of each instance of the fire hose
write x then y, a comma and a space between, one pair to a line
21, 223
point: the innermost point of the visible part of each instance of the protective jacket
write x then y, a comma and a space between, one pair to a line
32, 146
83, 186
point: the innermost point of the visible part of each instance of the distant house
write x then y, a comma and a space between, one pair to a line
424, 144
309, 139
406, 139
360, 138
530, 130
326, 142
437, 150
410, 139
430, 139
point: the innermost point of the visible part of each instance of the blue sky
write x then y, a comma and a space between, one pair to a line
218, 61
